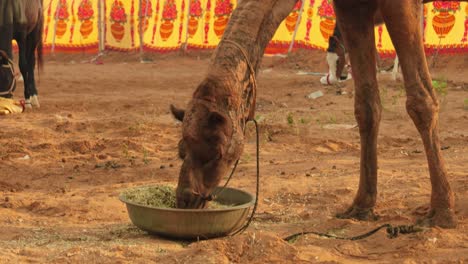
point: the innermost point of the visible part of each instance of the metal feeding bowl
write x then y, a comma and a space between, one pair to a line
193, 223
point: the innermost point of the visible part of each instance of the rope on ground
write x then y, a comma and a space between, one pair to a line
392, 232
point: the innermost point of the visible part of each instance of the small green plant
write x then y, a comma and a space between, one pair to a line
440, 86
326, 119
259, 118
127, 155
303, 121
290, 119
465, 104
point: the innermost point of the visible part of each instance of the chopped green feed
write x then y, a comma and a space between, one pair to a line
160, 197
154, 196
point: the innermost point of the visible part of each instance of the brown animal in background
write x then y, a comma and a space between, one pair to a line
212, 127
23, 21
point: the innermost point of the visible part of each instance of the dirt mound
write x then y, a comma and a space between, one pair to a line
40, 208
251, 247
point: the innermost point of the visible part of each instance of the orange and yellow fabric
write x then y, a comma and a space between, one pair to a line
72, 25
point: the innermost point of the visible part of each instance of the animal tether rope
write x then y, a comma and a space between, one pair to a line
250, 96
392, 232
13, 82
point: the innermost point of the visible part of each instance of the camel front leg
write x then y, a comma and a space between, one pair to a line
422, 104
356, 24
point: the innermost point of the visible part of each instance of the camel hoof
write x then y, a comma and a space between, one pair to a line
355, 212
444, 218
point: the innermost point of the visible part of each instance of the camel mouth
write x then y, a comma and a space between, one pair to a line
190, 199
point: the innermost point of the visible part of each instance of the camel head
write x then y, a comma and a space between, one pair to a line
211, 143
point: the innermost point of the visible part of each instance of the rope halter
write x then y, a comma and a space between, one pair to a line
13, 82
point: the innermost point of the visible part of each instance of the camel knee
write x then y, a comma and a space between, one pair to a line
423, 110
367, 111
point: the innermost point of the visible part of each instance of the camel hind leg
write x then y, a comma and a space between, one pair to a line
422, 104
356, 23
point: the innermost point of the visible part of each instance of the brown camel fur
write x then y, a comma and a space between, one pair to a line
212, 132
212, 127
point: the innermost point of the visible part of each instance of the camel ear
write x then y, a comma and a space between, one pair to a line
216, 118
177, 113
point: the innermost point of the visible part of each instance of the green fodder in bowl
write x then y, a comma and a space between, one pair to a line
160, 197
154, 196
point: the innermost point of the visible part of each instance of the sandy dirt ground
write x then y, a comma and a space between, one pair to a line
104, 128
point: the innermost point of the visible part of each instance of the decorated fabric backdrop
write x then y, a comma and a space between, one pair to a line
72, 25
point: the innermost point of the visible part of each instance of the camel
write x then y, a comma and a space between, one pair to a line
23, 21
213, 124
